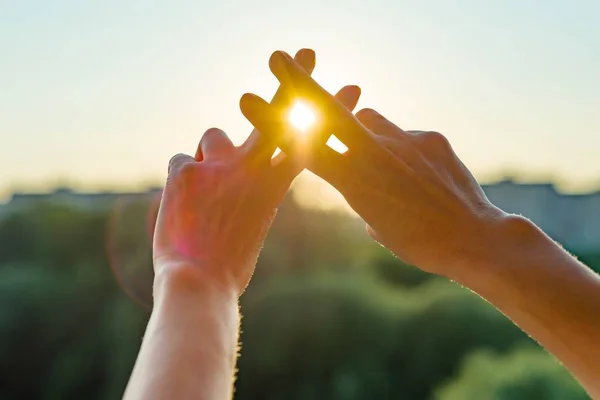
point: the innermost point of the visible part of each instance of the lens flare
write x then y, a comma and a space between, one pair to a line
129, 247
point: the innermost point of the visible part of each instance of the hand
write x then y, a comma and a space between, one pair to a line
415, 195
217, 207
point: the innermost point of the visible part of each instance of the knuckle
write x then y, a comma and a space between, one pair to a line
173, 162
187, 171
181, 172
435, 140
211, 133
174, 159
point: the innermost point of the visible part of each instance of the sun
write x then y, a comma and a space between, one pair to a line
302, 116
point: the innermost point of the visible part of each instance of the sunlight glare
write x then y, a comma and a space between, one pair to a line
301, 116
337, 145
276, 153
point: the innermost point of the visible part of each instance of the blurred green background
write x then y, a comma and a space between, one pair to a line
328, 315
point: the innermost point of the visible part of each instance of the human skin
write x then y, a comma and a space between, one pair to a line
421, 202
216, 210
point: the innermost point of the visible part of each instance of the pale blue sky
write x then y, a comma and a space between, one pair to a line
102, 93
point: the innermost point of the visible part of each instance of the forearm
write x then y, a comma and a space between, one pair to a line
190, 346
547, 292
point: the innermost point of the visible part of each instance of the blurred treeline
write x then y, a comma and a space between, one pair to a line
329, 315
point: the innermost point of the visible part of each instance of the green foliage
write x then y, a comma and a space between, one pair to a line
59, 305
592, 260
397, 273
329, 315
324, 335
524, 373
449, 323
355, 337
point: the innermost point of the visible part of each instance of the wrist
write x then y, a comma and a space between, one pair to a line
184, 280
194, 322
502, 241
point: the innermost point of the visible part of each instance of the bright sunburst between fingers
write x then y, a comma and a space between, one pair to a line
302, 116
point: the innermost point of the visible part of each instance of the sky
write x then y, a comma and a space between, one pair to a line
100, 94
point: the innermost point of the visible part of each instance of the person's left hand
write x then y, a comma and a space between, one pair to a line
218, 206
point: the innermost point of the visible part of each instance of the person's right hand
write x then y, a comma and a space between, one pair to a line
415, 195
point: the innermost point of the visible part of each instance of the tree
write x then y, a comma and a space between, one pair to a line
524, 373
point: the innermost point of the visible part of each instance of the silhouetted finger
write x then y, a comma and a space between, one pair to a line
325, 162
259, 145
349, 96
306, 60
257, 111
336, 116
214, 144
265, 118
322, 160
331, 166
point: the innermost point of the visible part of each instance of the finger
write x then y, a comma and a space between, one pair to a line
214, 144
259, 145
325, 162
322, 160
377, 123
330, 165
269, 120
306, 60
178, 161
265, 118
337, 116
349, 96
258, 111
